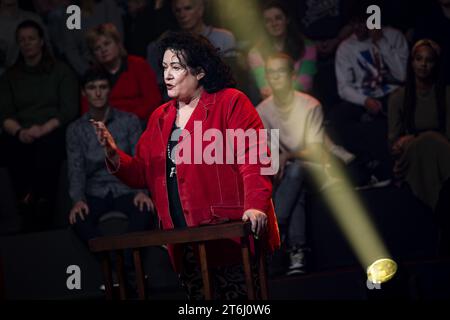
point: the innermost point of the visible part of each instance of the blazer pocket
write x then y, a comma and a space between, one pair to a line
227, 212
223, 214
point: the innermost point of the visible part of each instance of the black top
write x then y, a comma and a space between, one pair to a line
176, 210
114, 77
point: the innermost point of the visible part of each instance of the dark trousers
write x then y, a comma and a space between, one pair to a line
137, 220
34, 170
362, 134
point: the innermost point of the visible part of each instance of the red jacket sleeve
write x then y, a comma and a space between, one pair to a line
131, 170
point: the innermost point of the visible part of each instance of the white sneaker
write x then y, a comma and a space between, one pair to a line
297, 262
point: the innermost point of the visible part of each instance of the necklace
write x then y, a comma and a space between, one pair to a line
170, 153
173, 169
173, 141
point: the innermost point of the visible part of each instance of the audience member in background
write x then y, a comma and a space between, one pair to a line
144, 22
327, 24
93, 190
282, 35
93, 13
299, 118
11, 15
323, 21
419, 124
190, 17
134, 87
55, 17
419, 133
39, 97
434, 24
370, 64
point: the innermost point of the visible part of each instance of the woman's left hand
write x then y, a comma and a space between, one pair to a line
258, 220
141, 200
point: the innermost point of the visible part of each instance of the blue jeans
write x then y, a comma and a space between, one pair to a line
290, 205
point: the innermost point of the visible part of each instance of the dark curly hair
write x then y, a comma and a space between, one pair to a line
199, 55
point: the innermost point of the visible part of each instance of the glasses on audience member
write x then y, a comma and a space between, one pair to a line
277, 72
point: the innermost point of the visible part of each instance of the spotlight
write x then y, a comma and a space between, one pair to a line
381, 270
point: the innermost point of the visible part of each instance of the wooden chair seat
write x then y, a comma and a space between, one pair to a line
196, 236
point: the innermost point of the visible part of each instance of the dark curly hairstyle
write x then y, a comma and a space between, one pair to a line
199, 55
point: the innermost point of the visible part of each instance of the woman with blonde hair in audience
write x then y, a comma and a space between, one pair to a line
134, 85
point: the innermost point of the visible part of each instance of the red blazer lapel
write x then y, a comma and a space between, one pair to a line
166, 121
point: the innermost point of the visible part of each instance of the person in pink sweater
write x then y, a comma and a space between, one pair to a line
282, 36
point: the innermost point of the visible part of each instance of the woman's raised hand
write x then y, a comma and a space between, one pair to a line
107, 141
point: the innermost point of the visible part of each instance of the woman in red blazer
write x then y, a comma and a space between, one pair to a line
191, 193
134, 85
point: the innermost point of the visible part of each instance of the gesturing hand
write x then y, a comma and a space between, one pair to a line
106, 140
258, 220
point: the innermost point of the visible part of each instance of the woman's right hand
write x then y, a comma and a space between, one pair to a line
79, 209
107, 141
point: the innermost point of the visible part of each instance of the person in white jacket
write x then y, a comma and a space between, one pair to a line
370, 64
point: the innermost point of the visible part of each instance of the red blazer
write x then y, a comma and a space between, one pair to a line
135, 91
208, 192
